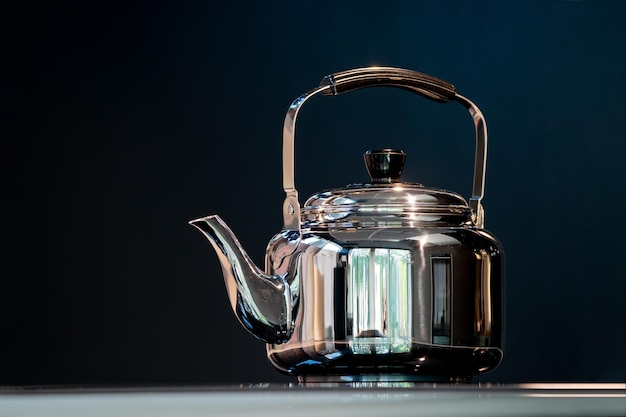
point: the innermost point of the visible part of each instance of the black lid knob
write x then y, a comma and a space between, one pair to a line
385, 165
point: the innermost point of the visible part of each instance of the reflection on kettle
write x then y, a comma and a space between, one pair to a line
383, 281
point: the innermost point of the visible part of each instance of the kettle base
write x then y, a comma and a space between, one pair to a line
423, 363
375, 380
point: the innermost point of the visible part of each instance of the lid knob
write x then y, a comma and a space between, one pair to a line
385, 165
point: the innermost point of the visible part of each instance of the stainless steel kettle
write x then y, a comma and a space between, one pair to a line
383, 281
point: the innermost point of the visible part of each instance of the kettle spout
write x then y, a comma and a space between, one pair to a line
263, 303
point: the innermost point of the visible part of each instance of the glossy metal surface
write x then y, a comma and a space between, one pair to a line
406, 303
386, 281
263, 303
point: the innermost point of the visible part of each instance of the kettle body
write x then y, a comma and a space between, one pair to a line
410, 301
381, 281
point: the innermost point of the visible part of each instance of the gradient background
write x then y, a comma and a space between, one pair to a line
122, 122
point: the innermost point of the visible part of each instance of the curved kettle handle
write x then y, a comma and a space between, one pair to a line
416, 82
346, 81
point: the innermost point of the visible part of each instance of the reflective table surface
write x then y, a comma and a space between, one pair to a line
356, 399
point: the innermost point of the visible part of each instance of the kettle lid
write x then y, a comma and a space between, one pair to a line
385, 201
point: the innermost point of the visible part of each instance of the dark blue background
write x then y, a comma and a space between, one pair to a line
122, 122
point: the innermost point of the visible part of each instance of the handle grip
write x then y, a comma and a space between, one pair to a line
416, 82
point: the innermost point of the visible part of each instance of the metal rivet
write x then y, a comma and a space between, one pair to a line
291, 209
